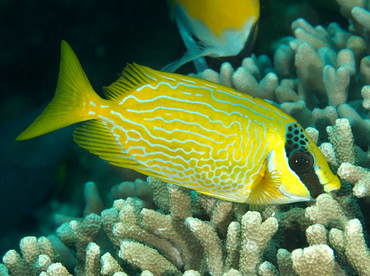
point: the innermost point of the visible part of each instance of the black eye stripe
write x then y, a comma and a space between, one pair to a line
300, 159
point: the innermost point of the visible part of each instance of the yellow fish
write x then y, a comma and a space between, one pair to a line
214, 28
189, 132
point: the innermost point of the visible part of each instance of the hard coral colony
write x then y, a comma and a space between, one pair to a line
321, 77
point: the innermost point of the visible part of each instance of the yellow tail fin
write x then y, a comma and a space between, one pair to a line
69, 105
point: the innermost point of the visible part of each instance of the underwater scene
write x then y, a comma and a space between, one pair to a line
179, 137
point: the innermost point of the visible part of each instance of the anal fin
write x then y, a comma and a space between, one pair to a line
96, 137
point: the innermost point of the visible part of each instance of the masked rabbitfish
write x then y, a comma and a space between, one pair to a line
214, 28
189, 132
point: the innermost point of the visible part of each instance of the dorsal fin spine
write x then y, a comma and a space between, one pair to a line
132, 77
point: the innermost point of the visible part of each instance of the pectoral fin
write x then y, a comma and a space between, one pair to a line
265, 188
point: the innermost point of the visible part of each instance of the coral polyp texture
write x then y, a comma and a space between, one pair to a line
196, 234
320, 76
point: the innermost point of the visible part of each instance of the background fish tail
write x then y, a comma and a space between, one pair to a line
73, 96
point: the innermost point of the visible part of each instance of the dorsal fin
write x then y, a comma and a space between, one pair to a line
132, 76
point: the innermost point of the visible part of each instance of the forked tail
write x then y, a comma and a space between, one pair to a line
70, 102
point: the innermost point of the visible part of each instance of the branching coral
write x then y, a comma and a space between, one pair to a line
314, 260
150, 240
255, 237
180, 241
351, 246
321, 76
358, 176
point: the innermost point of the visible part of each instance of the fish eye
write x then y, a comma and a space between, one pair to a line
301, 161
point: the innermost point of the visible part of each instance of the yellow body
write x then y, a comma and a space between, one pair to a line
213, 28
185, 131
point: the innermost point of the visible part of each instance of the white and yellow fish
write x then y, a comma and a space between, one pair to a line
214, 28
189, 132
